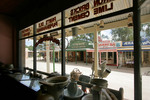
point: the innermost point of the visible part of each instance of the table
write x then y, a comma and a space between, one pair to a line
26, 80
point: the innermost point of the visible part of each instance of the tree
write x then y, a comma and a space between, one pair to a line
85, 37
41, 46
104, 36
146, 29
122, 34
30, 47
89, 37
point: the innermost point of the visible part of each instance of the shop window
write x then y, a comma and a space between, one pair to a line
110, 55
103, 55
146, 56
129, 55
27, 53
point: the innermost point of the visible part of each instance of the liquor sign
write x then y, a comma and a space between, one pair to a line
48, 24
27, 32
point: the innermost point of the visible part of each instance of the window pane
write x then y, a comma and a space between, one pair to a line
27, 53
145, 54
48, 53
113, 48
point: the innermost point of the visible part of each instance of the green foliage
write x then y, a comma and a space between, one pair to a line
85, 37
41, 46
146, 29
89, 37
122, 34
29, 48
104, 36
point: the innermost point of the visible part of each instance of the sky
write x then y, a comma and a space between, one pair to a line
29, 42
107, 33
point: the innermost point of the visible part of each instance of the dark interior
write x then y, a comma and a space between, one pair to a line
16, 15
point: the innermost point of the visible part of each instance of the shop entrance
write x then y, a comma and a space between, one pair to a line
115, 58
81, 55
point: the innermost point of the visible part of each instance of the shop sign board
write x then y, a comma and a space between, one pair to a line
128, 43
118, 44
88, 9
48, 24
47, 38
102, 41
79, 44
93, 8
26, 32
131, 43
108, 43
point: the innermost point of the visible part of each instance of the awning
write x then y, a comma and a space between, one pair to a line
82, 49
102, 50
131, 49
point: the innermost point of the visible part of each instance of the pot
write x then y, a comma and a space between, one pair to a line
73, 92
53, 87
99, 82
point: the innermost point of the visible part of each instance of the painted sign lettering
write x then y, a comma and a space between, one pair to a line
27, 32
131, 43
90, 8
47, 24
79, 44
102, 6
79, 12
46, 38
108, 43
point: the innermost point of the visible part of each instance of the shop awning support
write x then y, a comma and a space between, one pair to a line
95, 52
137, 51
99, 58
67, 56
86, 57
76, 56
117, 57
